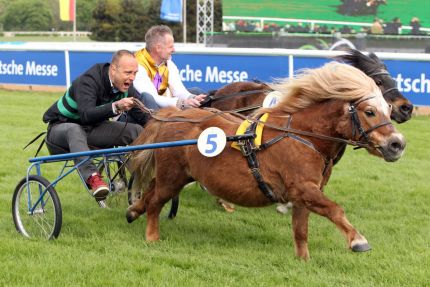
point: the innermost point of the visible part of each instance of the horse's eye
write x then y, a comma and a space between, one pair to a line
369, 113
378, 82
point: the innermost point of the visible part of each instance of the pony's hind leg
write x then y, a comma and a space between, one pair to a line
163, 193
139, 206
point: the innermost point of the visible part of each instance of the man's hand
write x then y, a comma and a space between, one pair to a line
124, 105
195, 102
200, 97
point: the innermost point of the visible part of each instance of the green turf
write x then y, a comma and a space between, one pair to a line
204, 246
326, 10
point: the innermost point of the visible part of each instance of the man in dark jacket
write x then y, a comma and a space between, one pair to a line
80, 118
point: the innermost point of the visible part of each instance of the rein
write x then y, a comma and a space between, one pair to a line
215, 113
212, 98
249, 149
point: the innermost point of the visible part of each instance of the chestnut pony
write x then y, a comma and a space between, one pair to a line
246, 96
321, 110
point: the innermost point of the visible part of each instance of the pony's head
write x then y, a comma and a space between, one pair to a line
365, 112
373, 67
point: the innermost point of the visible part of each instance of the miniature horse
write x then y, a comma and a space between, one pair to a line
321, 110
373, 67
246, 94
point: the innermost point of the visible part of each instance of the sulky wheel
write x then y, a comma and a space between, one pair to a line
36, 209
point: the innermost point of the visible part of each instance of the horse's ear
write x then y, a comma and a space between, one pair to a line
374, 57
351, 57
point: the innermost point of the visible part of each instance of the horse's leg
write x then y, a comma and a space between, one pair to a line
139, 206
164, 191
300, 231
317, 202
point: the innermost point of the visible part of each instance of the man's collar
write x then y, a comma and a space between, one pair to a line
151, 60
113, 89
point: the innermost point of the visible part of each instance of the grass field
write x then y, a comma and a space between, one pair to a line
326, 10
204, 246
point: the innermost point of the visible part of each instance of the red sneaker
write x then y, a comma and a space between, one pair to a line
98, 186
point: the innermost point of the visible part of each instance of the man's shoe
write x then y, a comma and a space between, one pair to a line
98, 186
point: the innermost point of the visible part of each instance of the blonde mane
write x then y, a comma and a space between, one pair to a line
332, 81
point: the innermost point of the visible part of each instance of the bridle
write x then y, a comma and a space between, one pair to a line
385, 73
356, 123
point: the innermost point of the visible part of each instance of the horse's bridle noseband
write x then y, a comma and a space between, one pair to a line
356, 123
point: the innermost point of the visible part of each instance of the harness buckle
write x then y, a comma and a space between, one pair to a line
245, 147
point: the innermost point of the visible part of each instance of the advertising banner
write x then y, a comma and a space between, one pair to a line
32, 68
412, 77
171, 10
82, 61
206, 71
214, 71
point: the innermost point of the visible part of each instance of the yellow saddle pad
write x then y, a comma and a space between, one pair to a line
258, 131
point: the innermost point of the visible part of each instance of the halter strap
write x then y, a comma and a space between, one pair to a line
389, 90
381, 72
384, 72
356, 123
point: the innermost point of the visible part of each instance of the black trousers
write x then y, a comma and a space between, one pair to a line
76, 138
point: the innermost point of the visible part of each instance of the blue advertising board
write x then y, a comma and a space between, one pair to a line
82, 61
36, 68
210, 72
309, 62
206, 71
413, 79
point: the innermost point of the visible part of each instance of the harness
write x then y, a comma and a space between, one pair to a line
249, 149
384, 72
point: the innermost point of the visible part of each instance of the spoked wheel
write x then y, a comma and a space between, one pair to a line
117, 174
36, 209
134, 195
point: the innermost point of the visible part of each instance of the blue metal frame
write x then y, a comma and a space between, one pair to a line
36, 162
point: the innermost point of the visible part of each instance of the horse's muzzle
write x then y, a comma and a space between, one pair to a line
394, 148
402, 114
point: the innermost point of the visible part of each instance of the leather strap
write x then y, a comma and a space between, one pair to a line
248, 150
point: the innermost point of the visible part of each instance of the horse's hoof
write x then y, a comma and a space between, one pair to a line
361, 247
131, 216
229, 207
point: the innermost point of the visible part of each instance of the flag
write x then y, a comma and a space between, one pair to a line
67, 10
171, 10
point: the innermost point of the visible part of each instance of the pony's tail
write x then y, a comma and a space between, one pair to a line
142, 163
